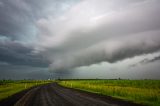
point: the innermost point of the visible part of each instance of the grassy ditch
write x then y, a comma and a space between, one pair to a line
139, 91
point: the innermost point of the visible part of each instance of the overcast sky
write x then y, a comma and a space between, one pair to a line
41, 39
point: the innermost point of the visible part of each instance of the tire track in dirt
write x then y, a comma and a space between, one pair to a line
56, 95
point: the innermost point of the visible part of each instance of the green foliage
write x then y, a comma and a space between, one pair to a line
10, 87
140, 91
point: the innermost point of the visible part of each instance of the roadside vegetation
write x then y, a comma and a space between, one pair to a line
10, 87
140, 91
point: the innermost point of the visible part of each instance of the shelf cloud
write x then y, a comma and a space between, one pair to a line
68, 34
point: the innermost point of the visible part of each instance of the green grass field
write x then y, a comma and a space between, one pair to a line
139, 91
9, 87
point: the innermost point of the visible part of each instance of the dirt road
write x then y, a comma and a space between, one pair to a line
56, 95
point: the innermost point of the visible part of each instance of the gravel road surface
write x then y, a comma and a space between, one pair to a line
56, 95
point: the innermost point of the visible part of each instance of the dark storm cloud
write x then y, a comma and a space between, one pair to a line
146, 61
18, 17
19, 72
15, 53
111, 52
102, 31
68, 34
154, 59
18, 29
14, 18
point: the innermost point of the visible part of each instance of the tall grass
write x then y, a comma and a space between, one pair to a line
10, 87
140, 91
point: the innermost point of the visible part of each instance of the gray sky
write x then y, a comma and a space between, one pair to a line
79, 39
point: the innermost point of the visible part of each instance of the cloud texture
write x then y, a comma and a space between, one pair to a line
93, 32
67, 34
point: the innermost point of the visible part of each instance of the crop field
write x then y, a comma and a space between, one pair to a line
9, 87
139, 91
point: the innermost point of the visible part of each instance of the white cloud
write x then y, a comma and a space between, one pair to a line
97, 31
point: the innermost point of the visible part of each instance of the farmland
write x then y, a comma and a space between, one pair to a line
10, 87
139, 91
